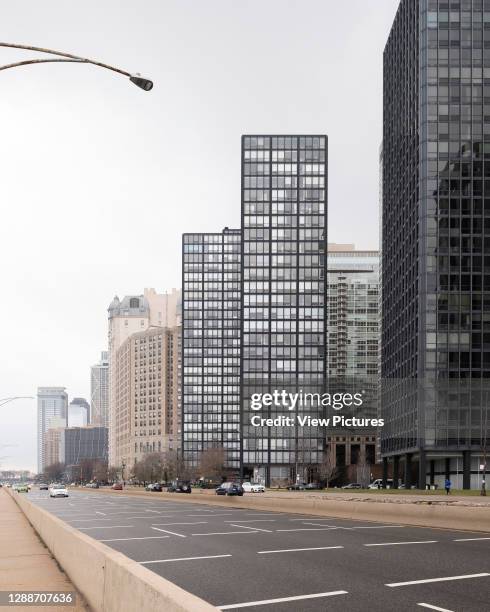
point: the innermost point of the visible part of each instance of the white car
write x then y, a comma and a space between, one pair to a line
58, 491
253, 487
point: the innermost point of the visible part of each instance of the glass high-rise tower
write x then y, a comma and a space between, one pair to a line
435, 362
284, 243
211, 345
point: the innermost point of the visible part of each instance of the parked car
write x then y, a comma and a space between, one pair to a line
58, 490
22, 488
230, 488
253, 487
298, 486
92, 485
117, 486
155, 486
179, 486
43, 486
313, 486
378, 483
352, 485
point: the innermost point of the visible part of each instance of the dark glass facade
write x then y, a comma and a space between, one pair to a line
211, 345
284, 232
80, 443
435, 363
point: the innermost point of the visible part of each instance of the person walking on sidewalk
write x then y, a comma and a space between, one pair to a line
447, 486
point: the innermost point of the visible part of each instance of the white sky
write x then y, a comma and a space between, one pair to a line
100, 179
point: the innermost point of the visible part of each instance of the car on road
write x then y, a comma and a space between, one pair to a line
22, 488
352, 485
253, 487
58, 490
117, 486
92, 485
298, 486
179, 486
230, 488
155, 486
43, 486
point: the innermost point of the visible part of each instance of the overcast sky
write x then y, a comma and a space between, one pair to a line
100, 179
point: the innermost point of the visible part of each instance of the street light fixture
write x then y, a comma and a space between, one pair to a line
141, 82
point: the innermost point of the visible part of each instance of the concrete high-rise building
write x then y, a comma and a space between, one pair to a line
353, 342
211, 282
130, 315
284, 248
52, 403
78, 412
99, 391
147, 394
435, 361
52, 440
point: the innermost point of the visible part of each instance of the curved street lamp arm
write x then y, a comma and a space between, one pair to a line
40, 61
70, 56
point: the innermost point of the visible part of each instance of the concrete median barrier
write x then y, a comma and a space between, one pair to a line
107, 579
426, 513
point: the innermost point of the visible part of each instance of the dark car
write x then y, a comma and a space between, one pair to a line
155, 486
313, 486
299, 486
43, 486
230, 488
117, 486
179, 486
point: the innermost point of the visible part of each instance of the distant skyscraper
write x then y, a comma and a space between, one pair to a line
353, 344
436, 242
52, 403
99, 391
78, 412
130, 315
284, 244
211, 283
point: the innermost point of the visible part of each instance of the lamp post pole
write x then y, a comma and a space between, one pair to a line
60, 56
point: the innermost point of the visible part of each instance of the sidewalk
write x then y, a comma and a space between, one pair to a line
25, 563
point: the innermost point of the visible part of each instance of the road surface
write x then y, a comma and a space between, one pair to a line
280, 562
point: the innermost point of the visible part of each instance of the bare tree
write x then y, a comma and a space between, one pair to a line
54, 472
112, 473
363, 470
327, 469
212, 463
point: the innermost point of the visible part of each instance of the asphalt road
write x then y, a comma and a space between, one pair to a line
281, 562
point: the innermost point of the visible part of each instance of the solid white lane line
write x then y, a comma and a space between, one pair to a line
427, 580
103, 513
470, 539
425, 605
263, 513
126, 539
255, 521
309, 529
226, 533
195, 523
400, 543
170, 532
264, 602
210, 515
270, 552
254, 528
103, 527
183, 559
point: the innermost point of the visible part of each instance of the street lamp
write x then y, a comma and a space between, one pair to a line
141, 82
